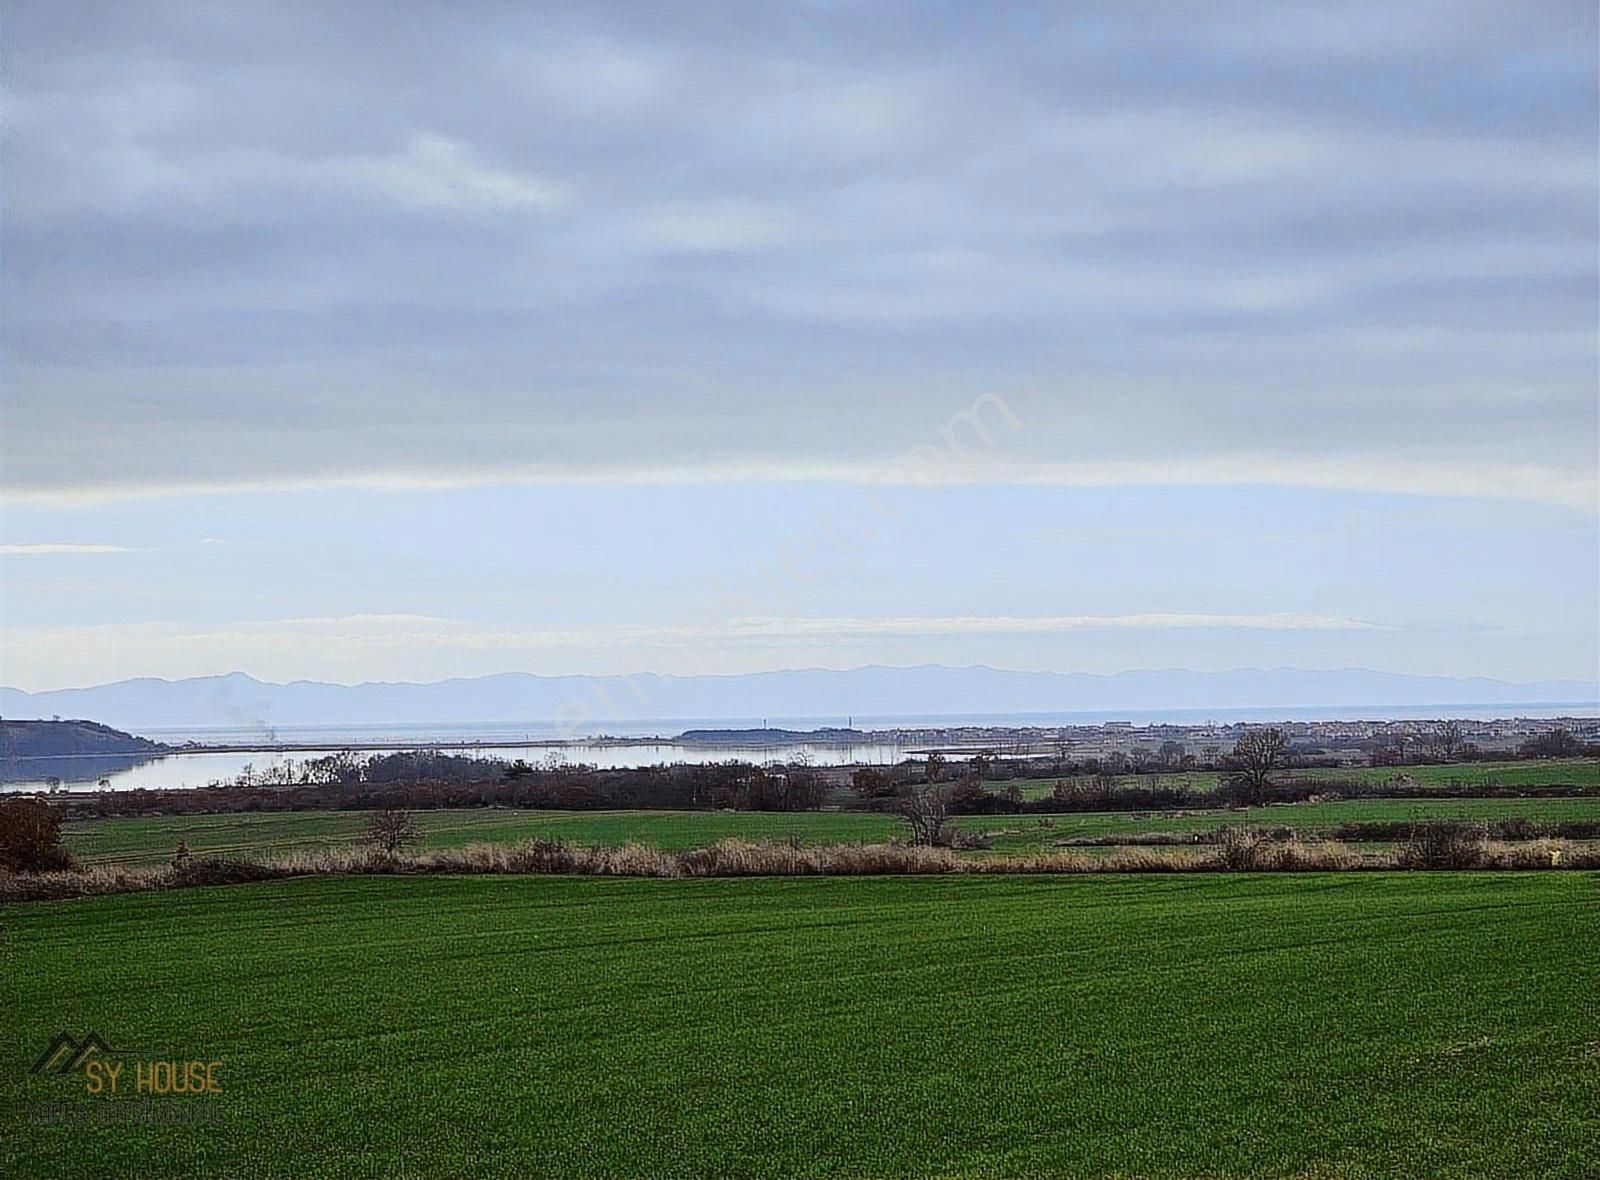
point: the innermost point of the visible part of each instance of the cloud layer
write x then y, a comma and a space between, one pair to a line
288, 245
59, 549
394, 643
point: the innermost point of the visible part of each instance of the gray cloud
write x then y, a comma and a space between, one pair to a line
254, 244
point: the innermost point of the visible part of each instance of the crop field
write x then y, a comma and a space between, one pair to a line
1191, 780
151, 840
147, 840
1554, 771
1321, 1025
1021, 833
1573, 771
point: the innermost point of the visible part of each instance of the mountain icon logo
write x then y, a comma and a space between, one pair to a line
66, 1053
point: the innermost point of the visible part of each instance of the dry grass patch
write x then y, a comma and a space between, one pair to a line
1236, 850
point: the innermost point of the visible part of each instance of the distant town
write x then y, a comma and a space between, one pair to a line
1341, 741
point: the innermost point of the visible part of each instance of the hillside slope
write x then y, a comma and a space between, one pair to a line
64, 739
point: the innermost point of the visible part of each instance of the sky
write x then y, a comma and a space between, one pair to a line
357, 342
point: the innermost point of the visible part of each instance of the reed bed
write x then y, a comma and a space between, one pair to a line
1241, 850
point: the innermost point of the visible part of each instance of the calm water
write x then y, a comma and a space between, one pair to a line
886, 746
668, 728
199, 770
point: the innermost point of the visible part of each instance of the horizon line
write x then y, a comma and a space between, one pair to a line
624, 676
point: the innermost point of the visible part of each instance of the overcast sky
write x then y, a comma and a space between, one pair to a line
370, 341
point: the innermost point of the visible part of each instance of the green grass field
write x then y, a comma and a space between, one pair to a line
152, 840
1022, 833
1332, 1026
1564, 771
1574, 771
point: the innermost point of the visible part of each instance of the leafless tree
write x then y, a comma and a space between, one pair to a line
869, 782
389, 831
1558, 743
1256, 754
1445, 741
926, 811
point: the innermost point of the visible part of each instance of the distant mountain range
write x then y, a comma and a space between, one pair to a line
237, 700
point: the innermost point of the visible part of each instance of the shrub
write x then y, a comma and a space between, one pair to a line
1540, 854
30, 837
390, 832
1320, 856
544, 856
871, 783
1145, 860
216, 870
926, 811
963, 840
1441, 844
78, 882
1277, 850
1516, 827
1241, 849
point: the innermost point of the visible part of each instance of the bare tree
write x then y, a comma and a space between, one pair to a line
1256, 754
807, 790
870, 783
926, 810
1558, 743
1444, 743
389, 831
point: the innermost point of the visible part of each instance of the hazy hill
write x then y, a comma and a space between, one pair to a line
64, 739
242, 701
